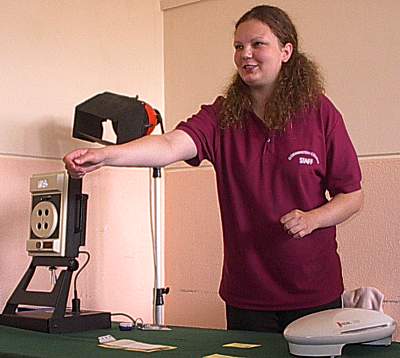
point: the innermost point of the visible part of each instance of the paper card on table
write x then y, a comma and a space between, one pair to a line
131, 345
216, 355
241, 345
106, 339
153, 327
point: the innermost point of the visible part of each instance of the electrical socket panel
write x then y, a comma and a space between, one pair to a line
58, 215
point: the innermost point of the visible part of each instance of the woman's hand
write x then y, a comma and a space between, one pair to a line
82, 161
342, 206
299, 223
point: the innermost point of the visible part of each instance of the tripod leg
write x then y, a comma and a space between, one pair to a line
19, 291
60, 293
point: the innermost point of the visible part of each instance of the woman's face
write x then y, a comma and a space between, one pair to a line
259, 55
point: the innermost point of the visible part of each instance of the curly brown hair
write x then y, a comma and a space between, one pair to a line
299, 84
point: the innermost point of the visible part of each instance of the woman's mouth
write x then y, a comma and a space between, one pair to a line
249, 68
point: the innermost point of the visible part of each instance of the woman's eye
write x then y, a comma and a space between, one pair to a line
258, 44
238, 47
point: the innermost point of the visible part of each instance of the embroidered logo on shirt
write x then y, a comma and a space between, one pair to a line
304, 160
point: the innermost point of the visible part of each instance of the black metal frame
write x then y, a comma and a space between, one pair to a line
49, 312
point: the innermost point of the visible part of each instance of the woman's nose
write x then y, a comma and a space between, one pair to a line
247, 52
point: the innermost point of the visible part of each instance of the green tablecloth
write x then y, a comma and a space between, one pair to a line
191, 343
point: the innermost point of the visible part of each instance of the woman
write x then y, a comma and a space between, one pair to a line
277, 145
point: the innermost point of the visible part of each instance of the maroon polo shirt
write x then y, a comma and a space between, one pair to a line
262, 175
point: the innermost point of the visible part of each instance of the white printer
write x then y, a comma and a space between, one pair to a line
325, 333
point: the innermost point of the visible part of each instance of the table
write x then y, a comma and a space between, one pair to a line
191, 343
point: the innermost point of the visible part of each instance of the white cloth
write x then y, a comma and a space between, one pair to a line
364, 297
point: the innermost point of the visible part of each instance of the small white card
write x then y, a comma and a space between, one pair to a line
106, 339
131, 345
217, 355
241, 345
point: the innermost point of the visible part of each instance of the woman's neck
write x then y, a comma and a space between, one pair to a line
260, 96
260, 99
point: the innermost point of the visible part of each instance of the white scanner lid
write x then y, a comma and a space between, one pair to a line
340, 326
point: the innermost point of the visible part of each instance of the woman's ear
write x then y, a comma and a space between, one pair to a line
287, 51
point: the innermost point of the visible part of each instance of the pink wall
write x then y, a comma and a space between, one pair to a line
369, 243
55, 55
193, 249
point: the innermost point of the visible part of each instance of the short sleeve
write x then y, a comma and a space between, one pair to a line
343, 168
204, 130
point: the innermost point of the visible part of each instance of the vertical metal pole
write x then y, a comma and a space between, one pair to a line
159, 252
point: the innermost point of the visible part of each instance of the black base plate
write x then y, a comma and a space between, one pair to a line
43, 321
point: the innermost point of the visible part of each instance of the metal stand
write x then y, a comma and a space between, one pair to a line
51, 315
131, 119
159, 289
